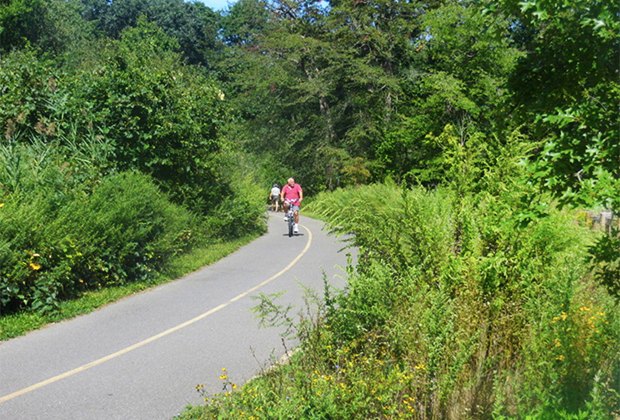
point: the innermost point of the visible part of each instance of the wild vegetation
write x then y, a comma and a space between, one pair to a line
113, 158
455, 310
461, 142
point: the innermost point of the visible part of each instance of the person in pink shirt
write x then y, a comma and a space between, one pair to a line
292, 195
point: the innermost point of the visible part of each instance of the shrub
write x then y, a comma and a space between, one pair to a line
29, 85
158, 115
163, 117
122, 231
238, 214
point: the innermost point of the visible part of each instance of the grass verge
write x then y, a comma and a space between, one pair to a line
19, 324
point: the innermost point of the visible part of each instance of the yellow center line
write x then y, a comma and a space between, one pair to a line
156, 337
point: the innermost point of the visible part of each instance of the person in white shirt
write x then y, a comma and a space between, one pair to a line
274, 198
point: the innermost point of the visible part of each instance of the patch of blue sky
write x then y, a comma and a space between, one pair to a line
217, 4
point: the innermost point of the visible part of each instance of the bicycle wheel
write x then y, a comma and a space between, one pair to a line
290, 228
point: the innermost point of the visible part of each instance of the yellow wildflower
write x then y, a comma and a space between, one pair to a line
584, 309
560, 358
561, 317
409, 402
1, 205
35, 266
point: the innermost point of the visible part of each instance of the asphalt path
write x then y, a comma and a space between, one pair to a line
142, 357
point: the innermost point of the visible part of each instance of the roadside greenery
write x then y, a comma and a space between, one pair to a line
461, 142
456, 309
20, 323
65, 228
112, 161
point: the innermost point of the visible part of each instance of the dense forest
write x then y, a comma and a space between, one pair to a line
466, 144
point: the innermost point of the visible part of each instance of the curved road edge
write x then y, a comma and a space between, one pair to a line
155, 324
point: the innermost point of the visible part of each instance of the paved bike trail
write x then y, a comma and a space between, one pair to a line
142, 357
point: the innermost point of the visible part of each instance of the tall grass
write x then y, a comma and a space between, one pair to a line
457, 309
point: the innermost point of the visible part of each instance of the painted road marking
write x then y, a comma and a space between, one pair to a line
156, 337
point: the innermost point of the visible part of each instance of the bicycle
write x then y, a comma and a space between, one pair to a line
290, 218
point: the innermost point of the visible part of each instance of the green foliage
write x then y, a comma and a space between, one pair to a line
244, 21
70, 122
64, 229
55, 247
579, 157
468, 59
53, 25
20, 22
606, 257
163, 117
459, 78
573, 110
350, 93
236, 215
192, 24
310, 92
66, 30
204, 254
61, 169
29, 84
456, 309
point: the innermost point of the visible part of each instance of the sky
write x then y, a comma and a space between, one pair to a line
217, 4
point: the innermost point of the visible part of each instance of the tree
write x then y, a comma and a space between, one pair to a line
457, 78
244, 22
53, 26
566, 89
566, 93
21, 21
193, 25
317, 94
163, 117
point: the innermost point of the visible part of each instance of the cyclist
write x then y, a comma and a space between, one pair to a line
274, 197
292, 195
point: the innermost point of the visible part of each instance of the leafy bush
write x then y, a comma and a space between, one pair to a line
163, 117
158, 116
238, 214
134, 107
29, 84
122, 231
20, 21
